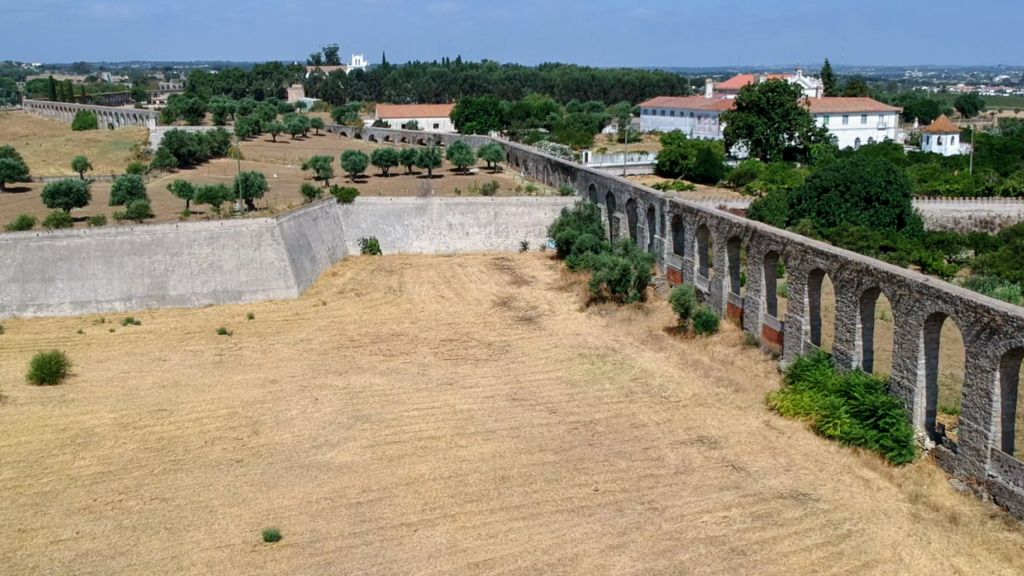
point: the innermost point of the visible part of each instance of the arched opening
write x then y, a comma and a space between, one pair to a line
942, 360
652, 228
734, 249
1009, 403
704, 251
359, 136
609, 203
875, 332
632, 218
372, 138
678, 236
592, 194
403, 140
422, 142
387, 138
771, 284
821, 309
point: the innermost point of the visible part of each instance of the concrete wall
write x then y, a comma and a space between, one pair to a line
122, 268
449, 225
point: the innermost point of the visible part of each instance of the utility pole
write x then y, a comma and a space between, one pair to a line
972, 151
625, 154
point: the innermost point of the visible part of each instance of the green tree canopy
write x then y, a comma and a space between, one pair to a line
769, 118
250, 186
828, 79
66, 194
461, 155
127, 189
12, 169
316, 123
274, 128
81, 165
493, 154
213, 195
407, 157
385, 159
84, 120
354, 163
969, 105
322, 167
184, 190
478, 115
430, 159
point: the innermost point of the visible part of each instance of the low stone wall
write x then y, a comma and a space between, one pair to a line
966, 215
450, 225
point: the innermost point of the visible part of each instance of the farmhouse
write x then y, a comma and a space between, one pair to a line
430, 117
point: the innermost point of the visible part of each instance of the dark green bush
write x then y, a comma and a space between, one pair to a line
84, 120
524, 246
344, 195
58, 219
136, 168
566, 190
48, 368
370, 246
310, 192
129, 321
622, 275
271, 535
222, 331
853, 408
138, 211
97, 221
706, 322
582, 218
684, 302
21, 223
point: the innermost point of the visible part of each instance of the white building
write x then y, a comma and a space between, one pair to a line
359, 62
813, 87
942, 137
430, 117
853, 121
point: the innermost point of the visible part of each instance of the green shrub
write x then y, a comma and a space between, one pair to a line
96, 221
21, 223
706, 322
684, 302
129, 321
250, 316
674, 186
782, 291
271, 535
531, 188
566, 190
310, 192
524, 246
136, 168
853, 408
622, 275
222, 331
490, 188
344, 195
1, 329
582, 218
58, 219
85, 120
370, 246
138, 211
48, 368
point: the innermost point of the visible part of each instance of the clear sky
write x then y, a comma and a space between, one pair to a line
593, 32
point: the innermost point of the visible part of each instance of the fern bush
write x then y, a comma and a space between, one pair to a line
853, 408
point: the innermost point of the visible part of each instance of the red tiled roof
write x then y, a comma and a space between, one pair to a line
325, 69
386, 111
737, 82
847, 105
689, 103
942, 125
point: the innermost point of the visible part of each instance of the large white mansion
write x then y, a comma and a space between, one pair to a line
853, 121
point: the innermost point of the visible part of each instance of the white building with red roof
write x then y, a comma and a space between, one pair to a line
429, 117
942, 137
853, 121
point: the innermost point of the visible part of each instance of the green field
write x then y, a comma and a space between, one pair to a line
994, 103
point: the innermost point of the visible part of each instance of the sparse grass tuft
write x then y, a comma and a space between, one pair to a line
1, 328
222, 331
48, 368
112, 330
250, 316
129, 321
524, 246
271, 535
80, 331
751, 340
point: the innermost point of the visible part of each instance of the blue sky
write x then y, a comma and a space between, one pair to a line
594, 32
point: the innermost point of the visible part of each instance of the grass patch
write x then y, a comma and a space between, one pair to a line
250, 316
853, 408
271, 535
222, 331
48, 368
129, 321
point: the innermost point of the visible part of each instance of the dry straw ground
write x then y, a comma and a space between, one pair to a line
446, 415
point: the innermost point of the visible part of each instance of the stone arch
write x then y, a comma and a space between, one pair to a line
403, 140
422, 141
610, 206
678, 236
866, 328
734, 251
592, 194
632, 218
771, 283
1009, 388
928, 369
388, 138
704, 247
372, 138
652, 228
358, 135
815, 281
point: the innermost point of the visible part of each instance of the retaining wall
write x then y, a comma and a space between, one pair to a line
447, 225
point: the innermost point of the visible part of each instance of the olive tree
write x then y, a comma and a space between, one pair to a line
184, 190
429, 159
385, 159
81, 165
322, 167
354, 163
128, 189
461, 155
66, 194
250, 186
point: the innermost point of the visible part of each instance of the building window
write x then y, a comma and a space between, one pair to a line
856, 143
643, 111
437, 126
938, 140
952, 140
871, 140
691, 114
928, 140
672, 113
864, 119
846, 120
824, 120
662, 112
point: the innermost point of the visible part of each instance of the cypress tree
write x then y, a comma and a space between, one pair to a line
52, 90
828, 78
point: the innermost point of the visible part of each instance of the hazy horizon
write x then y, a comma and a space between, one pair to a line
602, 33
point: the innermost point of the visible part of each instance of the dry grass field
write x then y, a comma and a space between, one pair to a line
48, 146
446, 415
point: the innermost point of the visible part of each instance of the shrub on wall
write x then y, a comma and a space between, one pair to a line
85, 120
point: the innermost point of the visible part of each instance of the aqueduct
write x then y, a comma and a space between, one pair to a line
693, 243
107, 117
